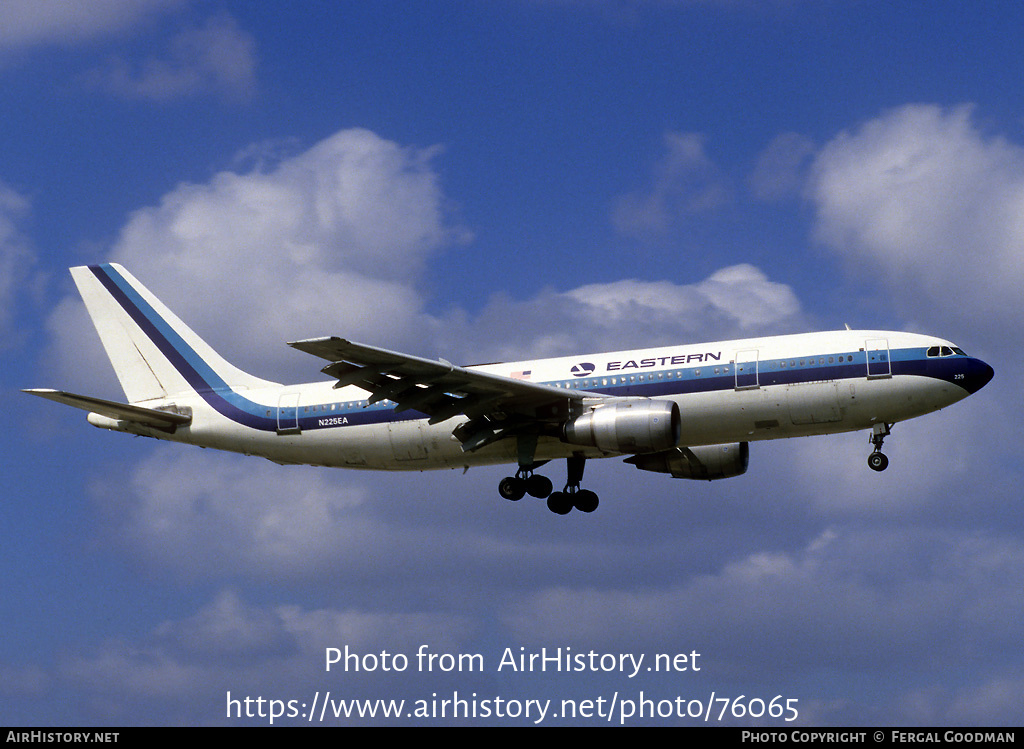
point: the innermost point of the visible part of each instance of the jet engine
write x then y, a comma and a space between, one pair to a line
707, 462
641, 426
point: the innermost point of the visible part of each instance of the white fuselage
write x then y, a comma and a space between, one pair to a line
733, 391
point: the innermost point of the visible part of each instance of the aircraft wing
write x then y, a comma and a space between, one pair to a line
113, 409
497, 406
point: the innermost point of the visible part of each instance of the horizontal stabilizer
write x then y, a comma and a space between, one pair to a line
112, 409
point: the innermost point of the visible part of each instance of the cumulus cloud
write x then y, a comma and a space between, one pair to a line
741, 292
242, 517
217, 57
25, 23
184, 666
330, 240
735, 301
335, 239
685, 182
901, 597
924, 201
345, 229
854, 600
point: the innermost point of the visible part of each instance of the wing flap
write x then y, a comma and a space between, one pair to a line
436, 388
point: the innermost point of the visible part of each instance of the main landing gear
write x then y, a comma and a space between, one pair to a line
877, 460
524, 482
561, 503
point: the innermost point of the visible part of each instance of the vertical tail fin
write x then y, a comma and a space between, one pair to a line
154, 354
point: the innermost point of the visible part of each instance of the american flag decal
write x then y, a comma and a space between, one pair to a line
524, 375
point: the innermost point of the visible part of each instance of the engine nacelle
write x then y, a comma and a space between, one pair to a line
708, 462
641, 426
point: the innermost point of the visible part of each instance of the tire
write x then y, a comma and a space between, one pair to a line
511, 488
586, 501
877, 462
538, 486
560, 503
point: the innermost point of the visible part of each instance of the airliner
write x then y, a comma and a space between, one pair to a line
689, 411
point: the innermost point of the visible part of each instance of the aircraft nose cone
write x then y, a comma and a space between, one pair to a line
977, 376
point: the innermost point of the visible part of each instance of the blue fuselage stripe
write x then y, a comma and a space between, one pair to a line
676, 381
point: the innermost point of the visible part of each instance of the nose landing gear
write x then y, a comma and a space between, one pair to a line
877, 461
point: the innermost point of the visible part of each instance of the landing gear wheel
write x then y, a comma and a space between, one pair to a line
878, 462
538, 486
585, 500
560, 503
512, 488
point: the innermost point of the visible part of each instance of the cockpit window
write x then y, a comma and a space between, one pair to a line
944, 351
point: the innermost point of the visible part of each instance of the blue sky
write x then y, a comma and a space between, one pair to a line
501, 180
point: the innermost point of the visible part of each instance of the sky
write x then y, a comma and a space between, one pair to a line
507, 180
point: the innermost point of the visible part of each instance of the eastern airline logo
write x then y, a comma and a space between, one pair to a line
582, 369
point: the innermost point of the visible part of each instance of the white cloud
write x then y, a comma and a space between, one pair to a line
24, 23
685, 182
237, 516
332, 240
184, 667
741, 294
246, 518
217, 57
923, 201
734, 301
905, 605
935, 462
